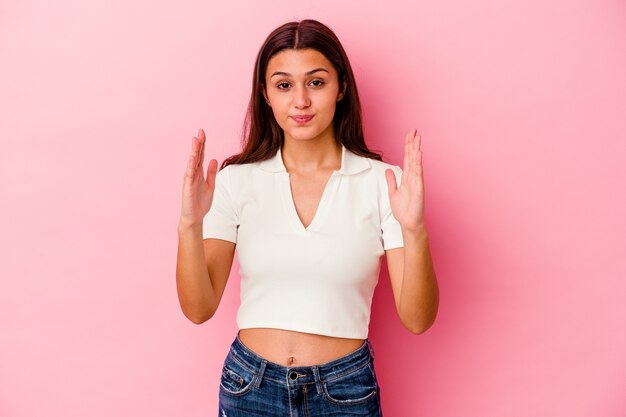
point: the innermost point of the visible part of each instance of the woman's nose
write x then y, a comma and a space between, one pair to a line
301, 97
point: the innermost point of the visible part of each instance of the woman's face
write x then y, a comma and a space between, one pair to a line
302, 82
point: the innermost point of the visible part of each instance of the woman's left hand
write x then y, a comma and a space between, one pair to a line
407, 200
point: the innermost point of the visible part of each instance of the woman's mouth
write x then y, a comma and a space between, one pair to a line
302, 119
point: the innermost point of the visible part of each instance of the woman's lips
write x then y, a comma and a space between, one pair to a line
302, 119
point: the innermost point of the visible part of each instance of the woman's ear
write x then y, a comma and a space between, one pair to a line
343, 91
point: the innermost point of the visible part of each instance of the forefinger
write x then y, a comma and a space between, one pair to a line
201, 140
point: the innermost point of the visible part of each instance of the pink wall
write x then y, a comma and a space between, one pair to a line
522, 111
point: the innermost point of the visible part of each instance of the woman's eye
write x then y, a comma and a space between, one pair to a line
319, 84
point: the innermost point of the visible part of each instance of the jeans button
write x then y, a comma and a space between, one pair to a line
293, 375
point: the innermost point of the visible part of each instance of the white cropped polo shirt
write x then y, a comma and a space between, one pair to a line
319, 279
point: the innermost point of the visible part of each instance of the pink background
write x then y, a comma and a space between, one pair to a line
522, 111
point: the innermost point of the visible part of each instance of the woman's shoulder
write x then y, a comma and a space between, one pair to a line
378, 166
239, 175
239, 169
382, 165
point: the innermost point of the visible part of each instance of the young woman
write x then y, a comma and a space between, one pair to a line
311, 210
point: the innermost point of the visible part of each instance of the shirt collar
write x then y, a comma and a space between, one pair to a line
351, 163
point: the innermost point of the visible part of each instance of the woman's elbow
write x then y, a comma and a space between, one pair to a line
198, 317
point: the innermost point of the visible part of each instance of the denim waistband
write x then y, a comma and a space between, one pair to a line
299, 375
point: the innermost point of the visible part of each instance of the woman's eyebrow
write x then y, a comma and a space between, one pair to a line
306, 73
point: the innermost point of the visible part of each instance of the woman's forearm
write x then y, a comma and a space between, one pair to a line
420, 293
195, 290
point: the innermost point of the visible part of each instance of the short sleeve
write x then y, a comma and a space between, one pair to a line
391, 230
221, 221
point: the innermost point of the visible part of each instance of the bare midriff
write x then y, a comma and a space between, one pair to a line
291, 348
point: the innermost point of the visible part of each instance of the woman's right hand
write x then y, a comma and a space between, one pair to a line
197, 192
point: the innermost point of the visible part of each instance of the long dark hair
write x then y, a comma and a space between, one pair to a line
262, 136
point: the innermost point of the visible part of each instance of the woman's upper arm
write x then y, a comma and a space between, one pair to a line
395, 266
219, 255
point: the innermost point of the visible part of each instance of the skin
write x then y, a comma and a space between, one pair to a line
310, 155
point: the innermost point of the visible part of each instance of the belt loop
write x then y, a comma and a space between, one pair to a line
371, 348
318, 382
259, 375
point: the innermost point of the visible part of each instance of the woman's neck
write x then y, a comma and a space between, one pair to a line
312, 155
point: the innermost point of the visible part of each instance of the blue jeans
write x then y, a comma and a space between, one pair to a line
251, 386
